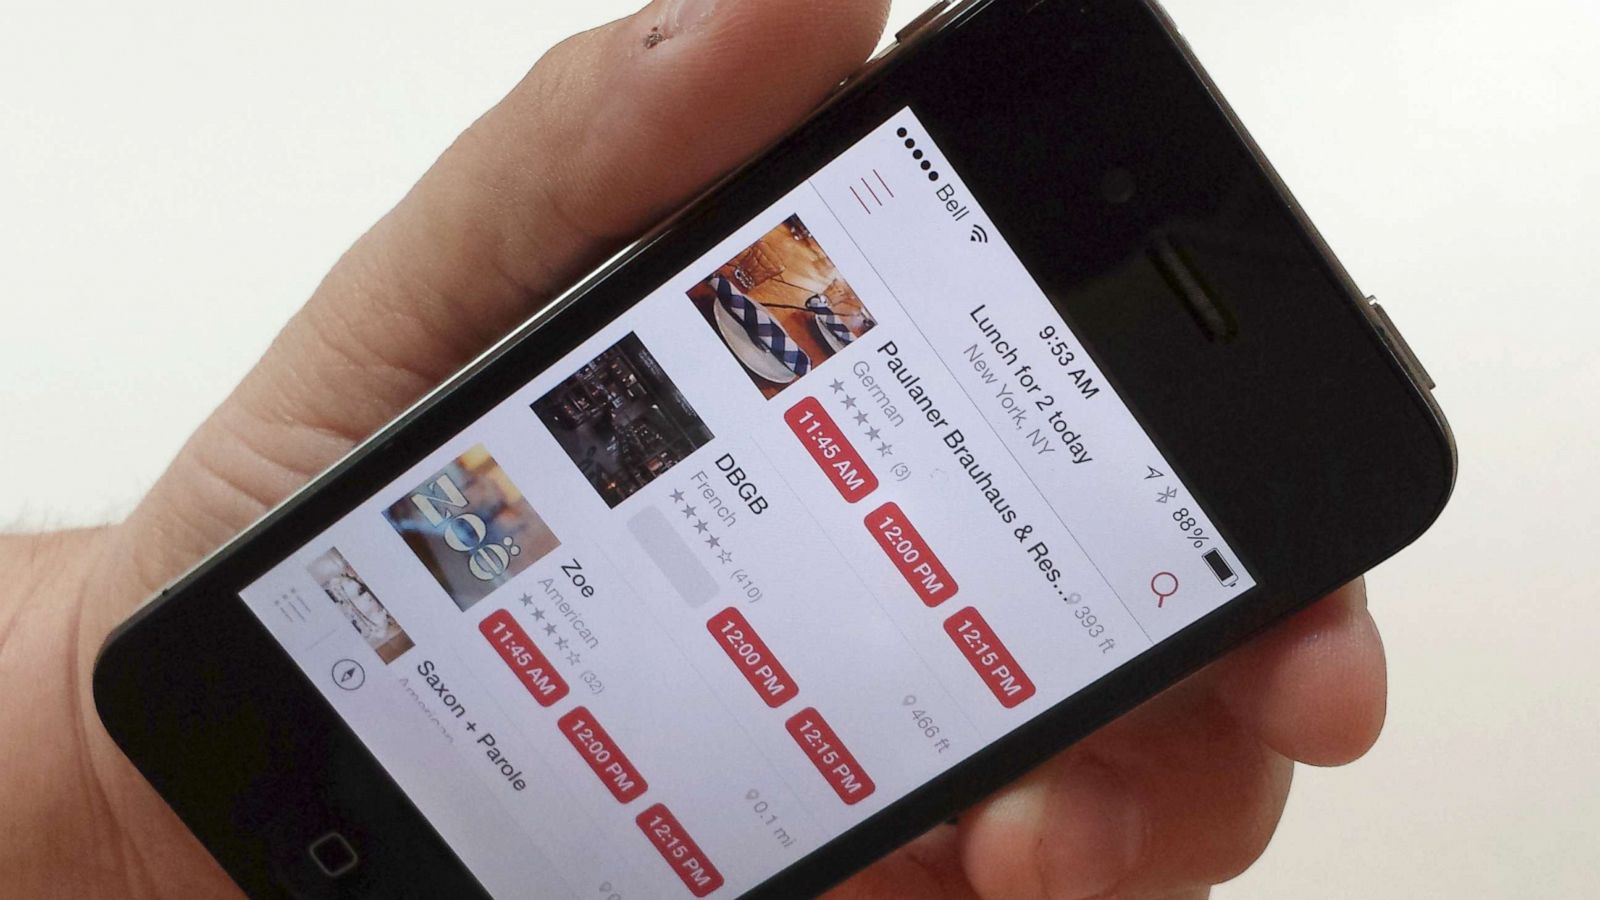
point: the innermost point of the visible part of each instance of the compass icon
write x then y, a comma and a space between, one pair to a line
349, 675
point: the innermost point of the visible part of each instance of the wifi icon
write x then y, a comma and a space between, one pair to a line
980, 235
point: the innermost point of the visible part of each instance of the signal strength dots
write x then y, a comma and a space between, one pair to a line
923, 163
919, 158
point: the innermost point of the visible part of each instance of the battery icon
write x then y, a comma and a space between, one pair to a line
1220, 568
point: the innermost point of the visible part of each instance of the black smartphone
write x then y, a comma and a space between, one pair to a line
1009, 389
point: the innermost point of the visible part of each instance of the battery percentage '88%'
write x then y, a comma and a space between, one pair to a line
1191, 528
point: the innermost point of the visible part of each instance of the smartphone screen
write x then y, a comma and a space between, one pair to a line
826, 513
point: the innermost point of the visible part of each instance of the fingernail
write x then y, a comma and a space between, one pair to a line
1102, 835
685, 15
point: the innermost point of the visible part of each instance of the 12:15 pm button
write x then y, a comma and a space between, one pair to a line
680, 851
837, 765
989, 658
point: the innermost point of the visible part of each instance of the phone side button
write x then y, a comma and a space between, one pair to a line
921, 21
1398, 343
1164, 15
333, 855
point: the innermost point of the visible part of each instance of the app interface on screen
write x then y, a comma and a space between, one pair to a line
825, 514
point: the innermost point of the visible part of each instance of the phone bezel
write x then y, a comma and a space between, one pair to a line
153, 711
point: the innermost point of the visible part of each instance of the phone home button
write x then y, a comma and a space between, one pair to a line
333, 854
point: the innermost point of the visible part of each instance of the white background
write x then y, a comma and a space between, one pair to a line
175, 179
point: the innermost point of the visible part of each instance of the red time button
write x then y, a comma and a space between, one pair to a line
832, 451
917, 563
999, 670
524, 659
833, 761
680, 851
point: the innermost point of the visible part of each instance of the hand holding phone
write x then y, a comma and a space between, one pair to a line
1203, 769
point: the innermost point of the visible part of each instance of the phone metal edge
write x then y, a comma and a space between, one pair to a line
1420, 381
873, 69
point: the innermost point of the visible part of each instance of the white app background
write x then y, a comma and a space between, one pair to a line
859, 644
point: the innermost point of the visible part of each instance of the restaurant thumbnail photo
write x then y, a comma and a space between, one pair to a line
781, 307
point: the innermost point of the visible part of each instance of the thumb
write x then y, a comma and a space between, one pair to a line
612, 129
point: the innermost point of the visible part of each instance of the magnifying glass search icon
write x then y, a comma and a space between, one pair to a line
1164, 585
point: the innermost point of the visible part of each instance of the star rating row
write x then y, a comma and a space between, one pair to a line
550, 629
884, 448
701, 527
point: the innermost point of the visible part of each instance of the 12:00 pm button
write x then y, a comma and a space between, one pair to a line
911, 554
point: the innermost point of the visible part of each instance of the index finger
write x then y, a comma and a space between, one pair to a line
608, 132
